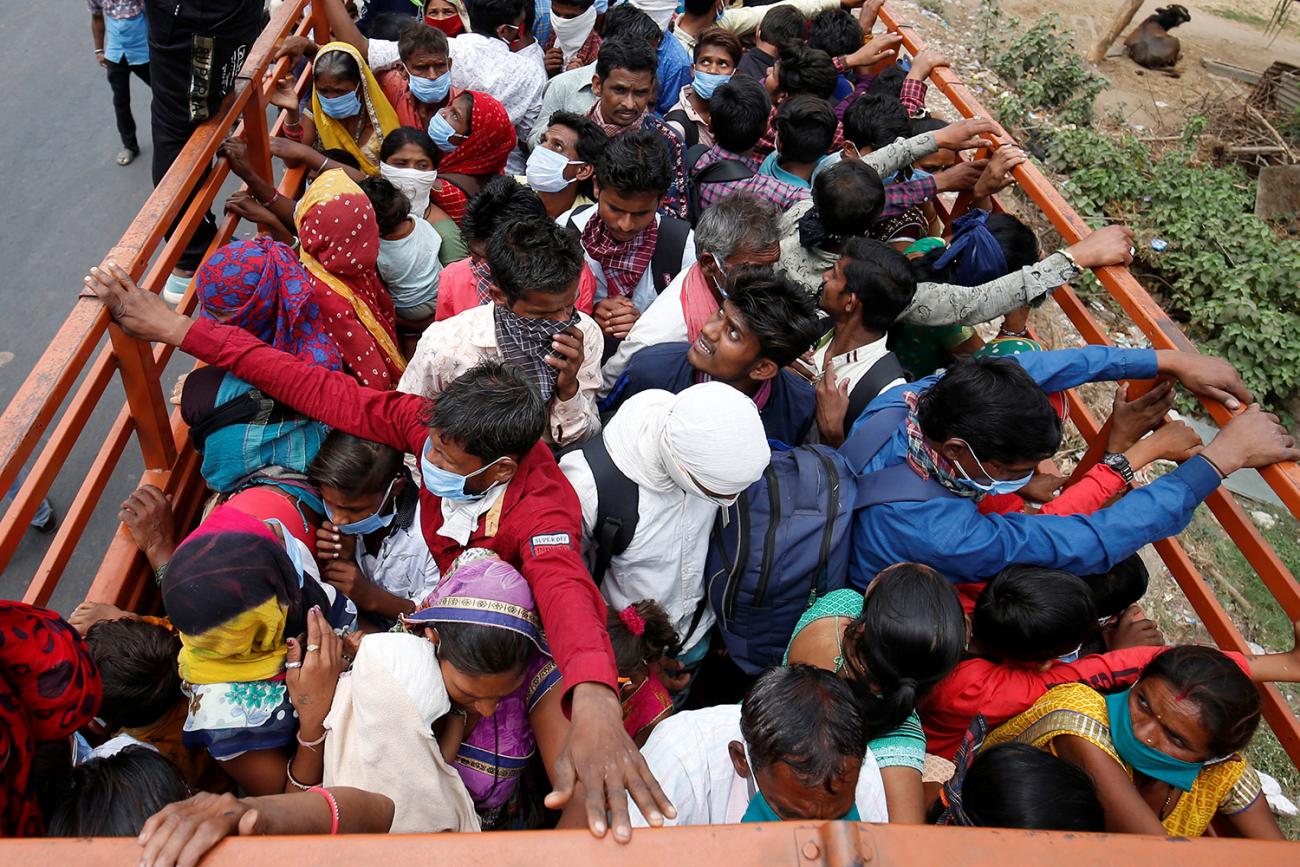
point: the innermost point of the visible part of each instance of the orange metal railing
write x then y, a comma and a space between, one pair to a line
171, 464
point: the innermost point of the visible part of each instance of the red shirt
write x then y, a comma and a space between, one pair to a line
540, 537
458, 290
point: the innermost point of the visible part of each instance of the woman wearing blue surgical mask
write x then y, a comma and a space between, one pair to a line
370, 546
1165, 754
717, 54
561, 167
348, 107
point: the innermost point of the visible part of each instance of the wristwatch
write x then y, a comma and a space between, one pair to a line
1119, 464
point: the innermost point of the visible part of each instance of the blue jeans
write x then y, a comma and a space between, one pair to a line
43, 513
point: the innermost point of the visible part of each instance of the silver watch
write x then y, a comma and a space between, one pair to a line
1119, 464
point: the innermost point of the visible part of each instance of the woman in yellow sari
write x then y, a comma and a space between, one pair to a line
348, 109
1164, 754
338, 238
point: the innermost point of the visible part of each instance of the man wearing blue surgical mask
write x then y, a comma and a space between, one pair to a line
794, 751
933, 449
370, 546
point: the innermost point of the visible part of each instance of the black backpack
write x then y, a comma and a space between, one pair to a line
886, 369
714, 173
666, 262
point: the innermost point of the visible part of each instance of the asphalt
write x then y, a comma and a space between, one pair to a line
66, 203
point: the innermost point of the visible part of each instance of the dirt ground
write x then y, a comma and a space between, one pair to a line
1147, 100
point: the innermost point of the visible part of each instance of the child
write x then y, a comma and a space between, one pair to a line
115, 795
142, 691
643, 638
408, 253
371, 548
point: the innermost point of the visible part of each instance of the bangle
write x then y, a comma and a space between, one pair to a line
333, 805
312, 745
324, 161
288, 770
99, 51
1065, 251
1222, 474
275, 194
1007, 332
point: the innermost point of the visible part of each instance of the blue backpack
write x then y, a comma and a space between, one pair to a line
786, 542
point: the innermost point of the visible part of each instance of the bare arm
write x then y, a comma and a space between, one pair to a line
345, 29
1126, 811
904, 795
1256, 821
97, 36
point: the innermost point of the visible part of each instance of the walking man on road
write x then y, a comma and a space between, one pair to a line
121, 36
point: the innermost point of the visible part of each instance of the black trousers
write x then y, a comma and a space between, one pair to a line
119, 79
196, 49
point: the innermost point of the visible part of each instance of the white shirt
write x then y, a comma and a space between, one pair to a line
851, 365
644, 294
403, 564
665, 559
662, 322
486, 64
689, 756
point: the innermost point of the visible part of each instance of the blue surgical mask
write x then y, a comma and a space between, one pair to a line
545, 170
294, 548
370, 523
992, 486
441, 131
340, 107
759, 810
1145, 758
704, 83
429, 90
446, 484
1072, 656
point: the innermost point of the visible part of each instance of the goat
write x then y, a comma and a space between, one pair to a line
1150, 44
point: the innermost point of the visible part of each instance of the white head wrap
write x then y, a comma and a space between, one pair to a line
662, 11
708, 437
571, 33
415, 184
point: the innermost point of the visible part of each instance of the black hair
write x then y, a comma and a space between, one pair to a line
501, 200
628, 54
738, 113
882, 280
835, 31
698, 7
339, 155
921, 125
974, 400
415, 35
391, 205
533, 254
875, 120
1016, 785
633, 652
783, 26
804, 717
849, 197
888, 82
1123, 585
1229, 701
337, 63
909, 636
777, 311
1019, 247
355, 466
635, 161
591, 138
490, 410
137, 661
625, 21
584, 5
1032, 614
483, 650
805, 126
114, 796
724, 39
486, 16
400, 138
388, 26
806, 70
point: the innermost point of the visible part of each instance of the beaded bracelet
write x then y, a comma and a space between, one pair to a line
333, 805
159, 573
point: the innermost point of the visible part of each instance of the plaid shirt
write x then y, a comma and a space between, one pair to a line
775, 190
585, 55
912, 94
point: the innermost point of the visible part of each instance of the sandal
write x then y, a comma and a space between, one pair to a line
126, 156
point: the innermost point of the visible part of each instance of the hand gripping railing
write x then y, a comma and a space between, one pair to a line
171, 464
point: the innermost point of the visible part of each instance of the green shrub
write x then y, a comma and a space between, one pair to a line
1044, 70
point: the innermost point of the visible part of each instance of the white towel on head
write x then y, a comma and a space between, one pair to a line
381, 735
571, 33
662, 11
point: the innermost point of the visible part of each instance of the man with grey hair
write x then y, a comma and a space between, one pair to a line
741, 229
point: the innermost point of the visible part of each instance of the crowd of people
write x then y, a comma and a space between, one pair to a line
602, 438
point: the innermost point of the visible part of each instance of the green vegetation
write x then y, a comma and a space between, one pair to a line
1046, 73
935, 6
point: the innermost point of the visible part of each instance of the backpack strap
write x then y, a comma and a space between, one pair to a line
575, 212
886, 369
671, 244
690, 132
617, 504
898, 484
863, 443
714, 173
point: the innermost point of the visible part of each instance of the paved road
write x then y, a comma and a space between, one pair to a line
65, 205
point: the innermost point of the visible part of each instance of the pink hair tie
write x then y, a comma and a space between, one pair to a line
634, 622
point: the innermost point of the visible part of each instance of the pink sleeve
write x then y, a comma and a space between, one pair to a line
455, 284
586, 290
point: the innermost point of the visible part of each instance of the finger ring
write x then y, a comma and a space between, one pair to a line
1132, 251
313, 647
293, 665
